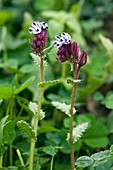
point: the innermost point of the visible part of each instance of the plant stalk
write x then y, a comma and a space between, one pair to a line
1, 160
71, 117
51, 167
20, 157
37, 114
11, 154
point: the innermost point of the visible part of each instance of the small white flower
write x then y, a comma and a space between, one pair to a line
57, 44
44, 25
35, 30
64, 39
37, 27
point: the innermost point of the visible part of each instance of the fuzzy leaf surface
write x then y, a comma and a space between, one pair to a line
48, 84
27, 129
63, 107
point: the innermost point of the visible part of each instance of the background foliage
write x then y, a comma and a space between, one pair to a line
90, 24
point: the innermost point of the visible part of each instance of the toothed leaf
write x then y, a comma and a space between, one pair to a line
33, 107
63, 107
78, 132
84, 161
72, 82
48, 84
27, 129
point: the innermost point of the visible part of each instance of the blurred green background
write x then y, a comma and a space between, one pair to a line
90, 23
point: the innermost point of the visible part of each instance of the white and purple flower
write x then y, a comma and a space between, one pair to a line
37, 27
39, 30
64, 39
70, 51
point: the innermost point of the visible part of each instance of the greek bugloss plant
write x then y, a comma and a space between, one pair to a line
67, 50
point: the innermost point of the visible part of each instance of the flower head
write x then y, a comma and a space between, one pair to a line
38, 29
68, 50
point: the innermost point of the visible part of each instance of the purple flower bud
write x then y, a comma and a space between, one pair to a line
63, 53
40, 36
82, 60
75, 50
39, 42
68, 50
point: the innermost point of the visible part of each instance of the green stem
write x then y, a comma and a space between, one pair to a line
63, 70
11, 117
51, 167
11, 154
71, 118
37, 114
1, 159
95, 168
20, 157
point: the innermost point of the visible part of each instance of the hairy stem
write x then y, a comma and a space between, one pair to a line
71, 118
37, 114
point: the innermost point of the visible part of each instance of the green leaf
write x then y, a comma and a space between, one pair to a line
110, 123
48, 84
37, 166
50, 150
12, 168
45, 129
5, 16
56, 29
107, 43
109, 102
10, 64
9, 133
54, 138
111, 148
70, 81
4, 169
63, 107
25, 85
98, 96
71, 24
5, 92
43, 5
84, 161
15, 43
47, 50
27, 129
96, 135
78, 132
2, 122
101, 157
2, 150
28, 68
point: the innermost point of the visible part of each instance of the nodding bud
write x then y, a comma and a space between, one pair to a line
82, 60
